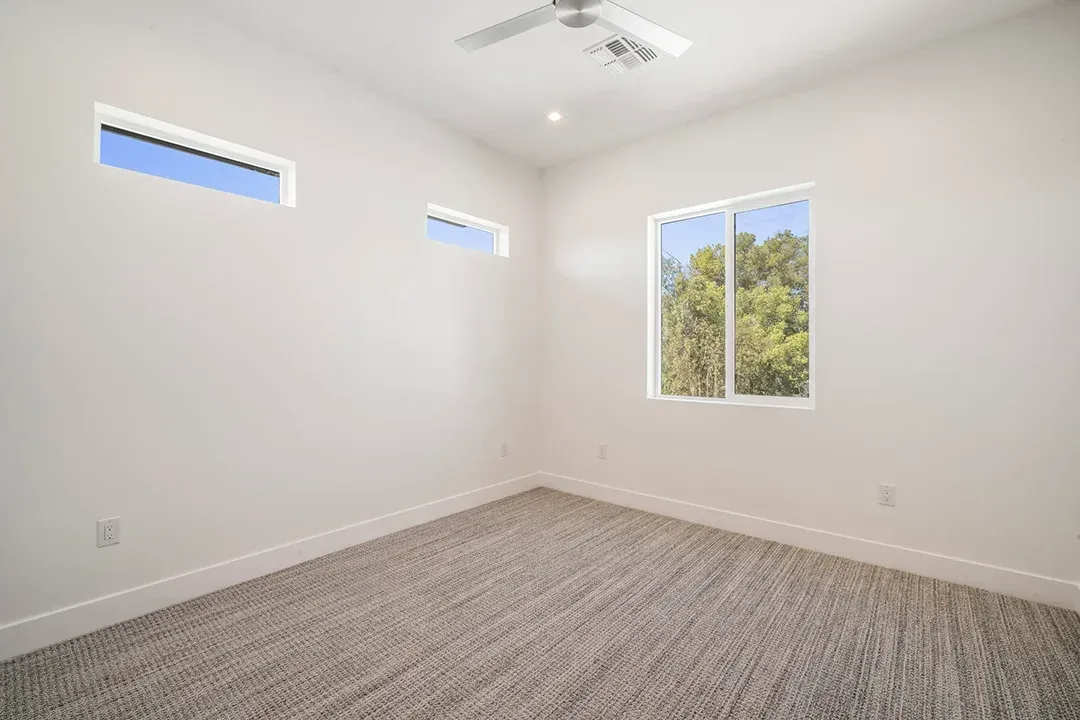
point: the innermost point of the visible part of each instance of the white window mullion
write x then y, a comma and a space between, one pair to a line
655, 329
729, 303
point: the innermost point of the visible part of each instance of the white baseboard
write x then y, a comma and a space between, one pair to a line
39, 631
1038, 588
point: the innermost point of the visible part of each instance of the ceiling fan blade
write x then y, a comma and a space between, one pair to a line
510, 28
618, 19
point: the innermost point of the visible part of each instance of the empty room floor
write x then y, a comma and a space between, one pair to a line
548, 605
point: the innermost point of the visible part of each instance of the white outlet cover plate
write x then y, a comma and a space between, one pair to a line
108, 531
887, 495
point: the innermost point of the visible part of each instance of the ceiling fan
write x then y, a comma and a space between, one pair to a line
579, 14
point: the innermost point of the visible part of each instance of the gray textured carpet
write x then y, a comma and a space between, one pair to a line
547, 605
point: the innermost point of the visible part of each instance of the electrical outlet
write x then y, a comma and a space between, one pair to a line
886, 495
601, 451
505, 450
108, 531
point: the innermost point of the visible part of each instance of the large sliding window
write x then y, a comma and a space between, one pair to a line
731, 301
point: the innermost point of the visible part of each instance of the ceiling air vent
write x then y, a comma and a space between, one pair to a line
619, 54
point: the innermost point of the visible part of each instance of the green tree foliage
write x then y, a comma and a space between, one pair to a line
772, 321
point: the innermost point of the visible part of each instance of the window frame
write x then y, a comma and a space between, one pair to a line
501, 233
730, 207
165, 133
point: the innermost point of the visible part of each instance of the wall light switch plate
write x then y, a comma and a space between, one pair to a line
505, 450
601, 451
108, 531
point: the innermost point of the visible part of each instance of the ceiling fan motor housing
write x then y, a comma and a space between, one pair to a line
578, 13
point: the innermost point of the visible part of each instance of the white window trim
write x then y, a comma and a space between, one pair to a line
501, 232
142, 125
794, 193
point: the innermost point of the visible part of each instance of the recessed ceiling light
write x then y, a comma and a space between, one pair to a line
554, 116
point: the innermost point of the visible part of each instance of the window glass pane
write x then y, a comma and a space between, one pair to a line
461, 235
122, 150
692, 307
772, 301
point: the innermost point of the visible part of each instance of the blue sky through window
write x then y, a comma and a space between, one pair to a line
766, 222
133, 153
463, 236
682, 238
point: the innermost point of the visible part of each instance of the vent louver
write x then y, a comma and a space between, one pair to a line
619, 54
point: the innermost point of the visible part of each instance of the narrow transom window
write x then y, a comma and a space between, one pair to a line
731, 301
135, 142
472, 233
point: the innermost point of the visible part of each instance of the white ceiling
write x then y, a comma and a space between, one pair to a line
743, 50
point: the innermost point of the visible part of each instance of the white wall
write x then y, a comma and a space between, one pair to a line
223, 374
947, 211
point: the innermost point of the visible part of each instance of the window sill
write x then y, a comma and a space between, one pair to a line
744, 400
